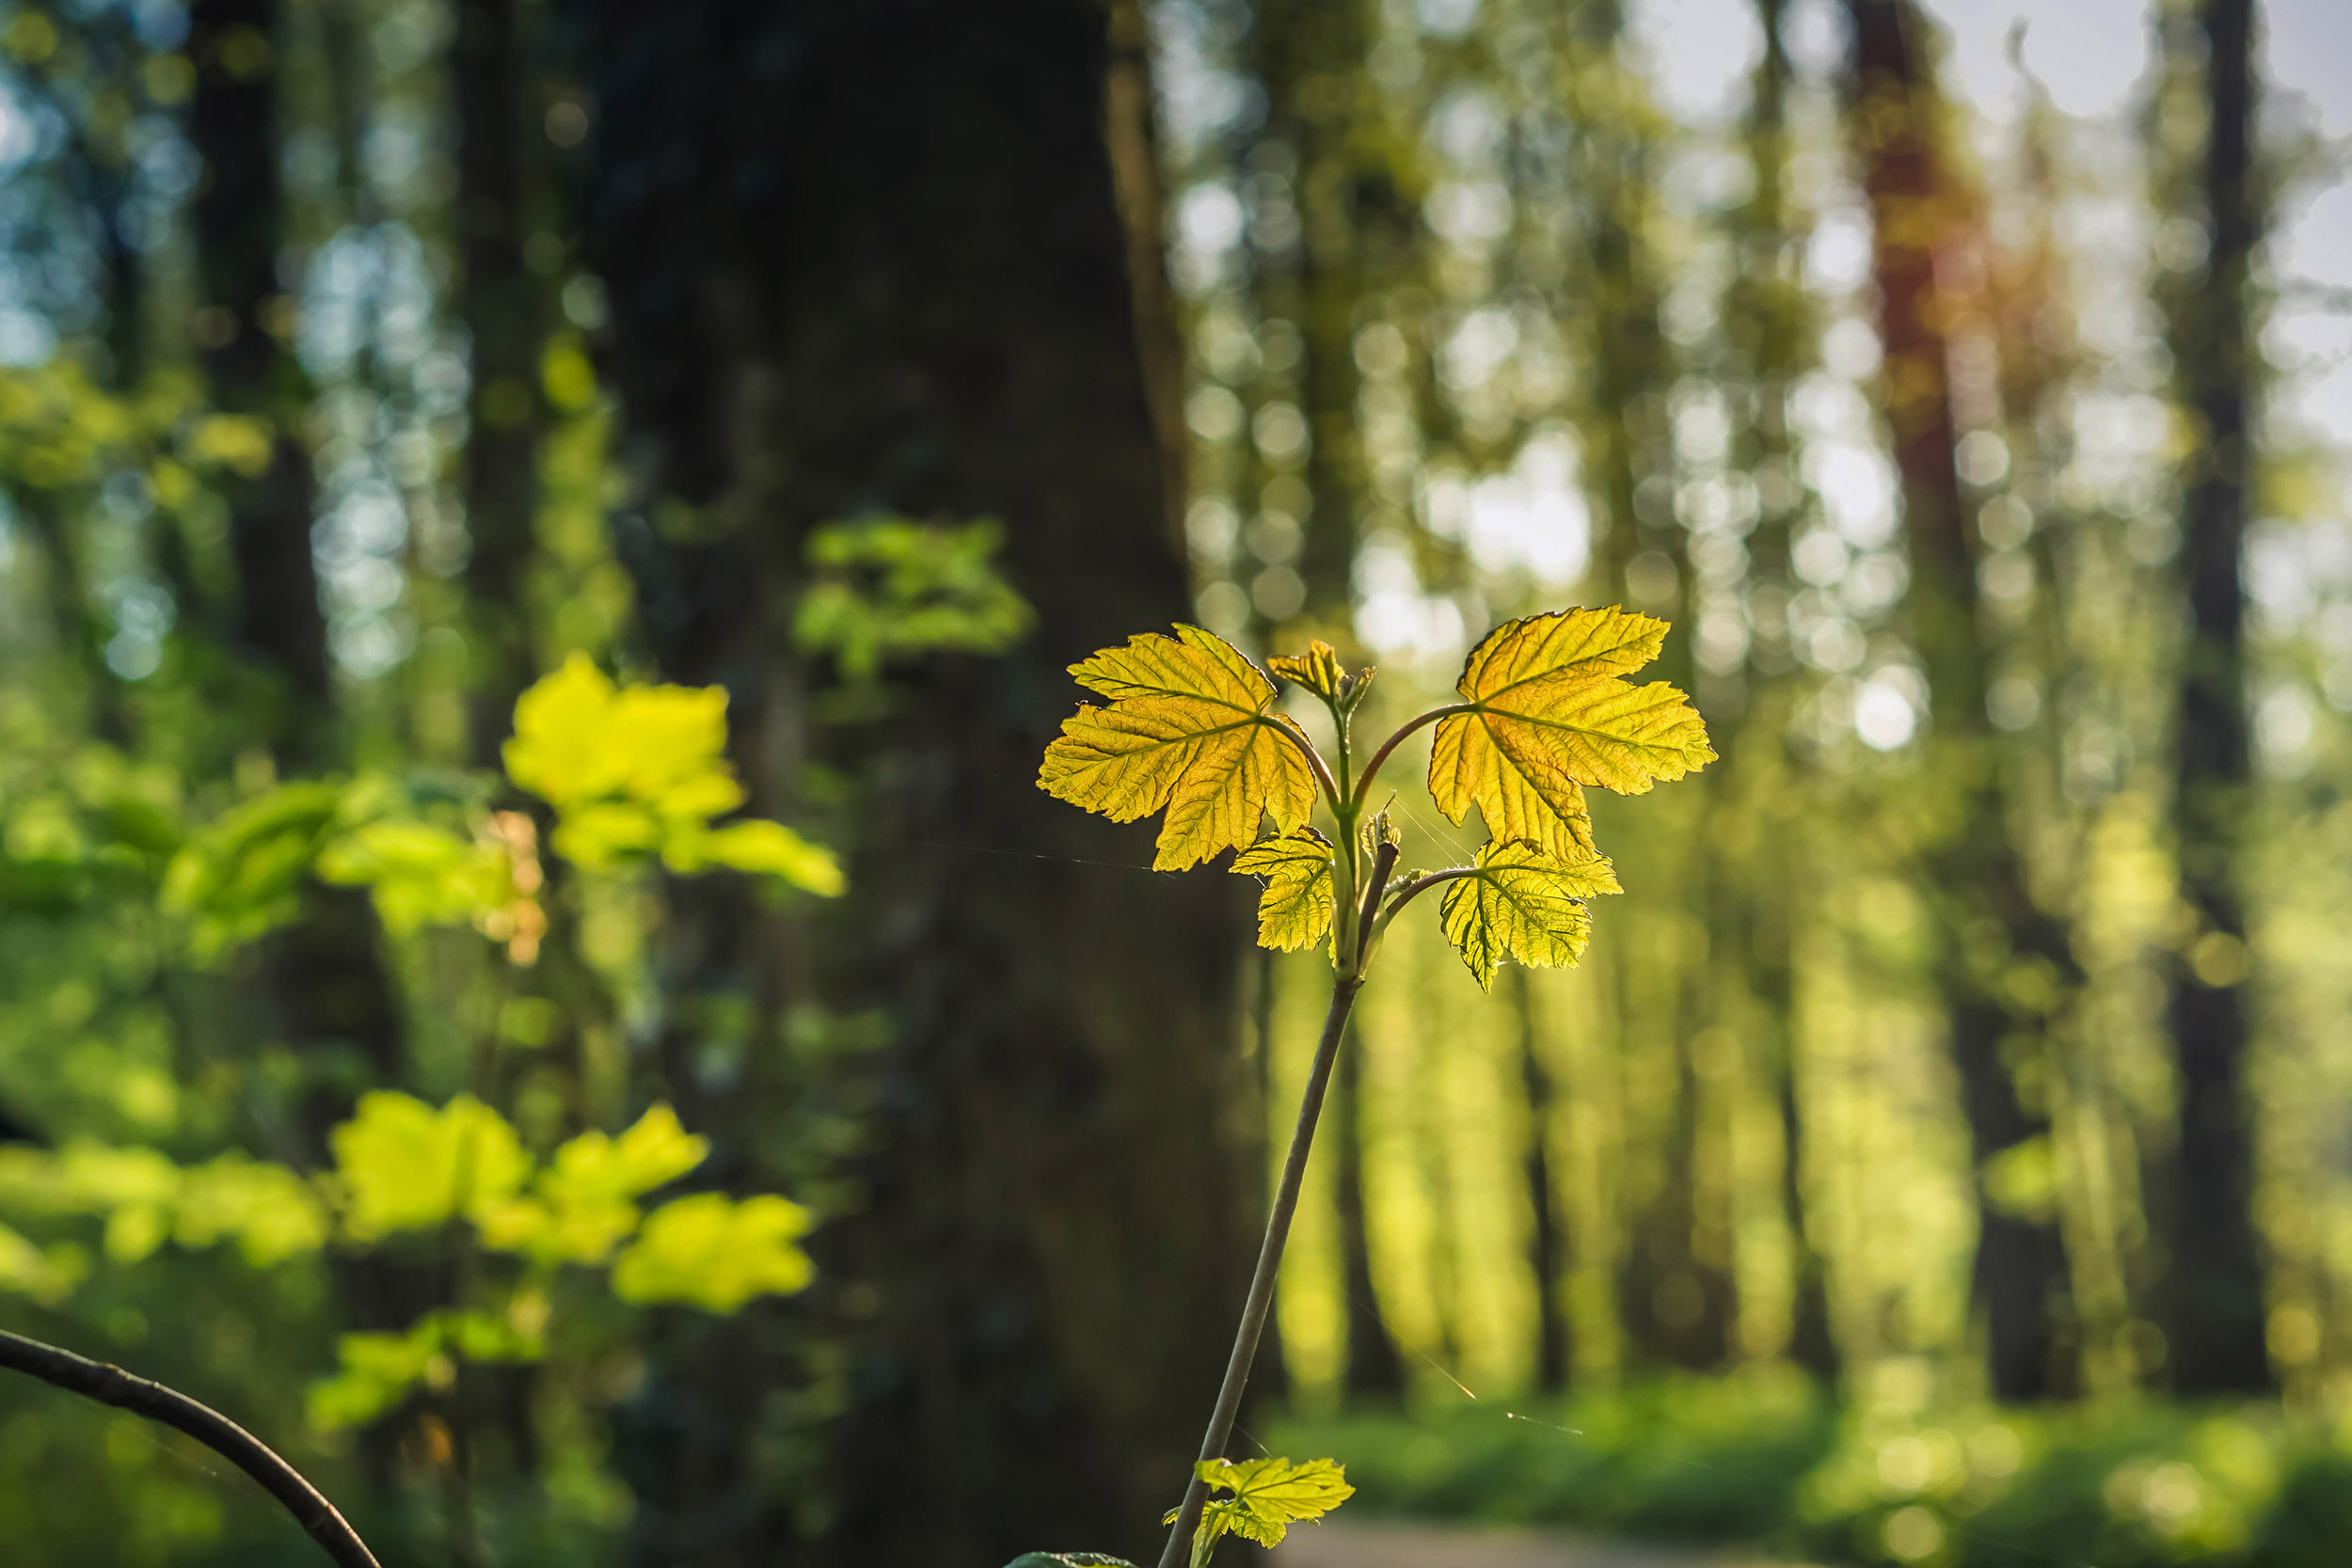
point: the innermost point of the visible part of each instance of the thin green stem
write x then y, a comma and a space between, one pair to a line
110, 1385
1278, 1229
1371, 768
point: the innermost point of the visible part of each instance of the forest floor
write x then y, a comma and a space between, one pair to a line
1401, 1546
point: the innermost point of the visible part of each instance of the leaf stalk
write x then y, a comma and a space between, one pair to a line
1297, 737
1413, 890
1371, 768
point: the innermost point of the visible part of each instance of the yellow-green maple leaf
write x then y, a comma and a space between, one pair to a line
1517, 901
1550, 716
1295, 910
1269, 1496
1190, 728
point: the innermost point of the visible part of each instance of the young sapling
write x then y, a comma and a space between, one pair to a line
1190, 730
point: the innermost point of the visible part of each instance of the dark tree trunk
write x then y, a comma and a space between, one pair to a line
322, 976
871, 256
2217, 1331
500, 304
1921, 212
239, 226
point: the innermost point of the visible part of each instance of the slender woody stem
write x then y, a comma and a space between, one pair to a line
110, 1385
1278, 1229
1371, 768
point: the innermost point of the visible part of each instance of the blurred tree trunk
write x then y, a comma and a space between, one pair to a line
239, 225
1988, 919
1667, 1301
1373, 1369
2217, 1331
322, 977
1770, 318
938, 315
1547, 1250
1352, 235
502, 306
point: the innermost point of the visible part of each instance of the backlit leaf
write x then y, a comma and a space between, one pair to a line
25, 1270
408, 1166
1519, 902
419, 874
1190, 729
638, 771
378, 1371
1295, 910
1269, 1496
1551, 716
713, 1252
761, 846
241, 876
584, 1203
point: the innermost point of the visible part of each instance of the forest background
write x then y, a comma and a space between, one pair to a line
1942, 1155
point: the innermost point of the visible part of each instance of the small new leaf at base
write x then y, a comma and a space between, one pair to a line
1269, 1496
1519, 902
1068, 1560
1294, 911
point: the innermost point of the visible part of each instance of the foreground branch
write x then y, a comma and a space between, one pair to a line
110, 1385
1278, 1229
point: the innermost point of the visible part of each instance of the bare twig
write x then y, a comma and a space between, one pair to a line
111, 1385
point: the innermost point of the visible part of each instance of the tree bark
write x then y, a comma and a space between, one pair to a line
2218, 1339
934, 315
1921, 215
500, 304
239, 224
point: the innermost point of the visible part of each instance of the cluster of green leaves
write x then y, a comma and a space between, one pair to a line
145, 1200
639, 772
60, 429
403, 1167
406, 1168
634, 775
886, 588
631, 777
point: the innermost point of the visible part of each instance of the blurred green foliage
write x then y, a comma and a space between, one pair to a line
1767, 1459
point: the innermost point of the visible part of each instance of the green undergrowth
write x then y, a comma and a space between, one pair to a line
1768, 1461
